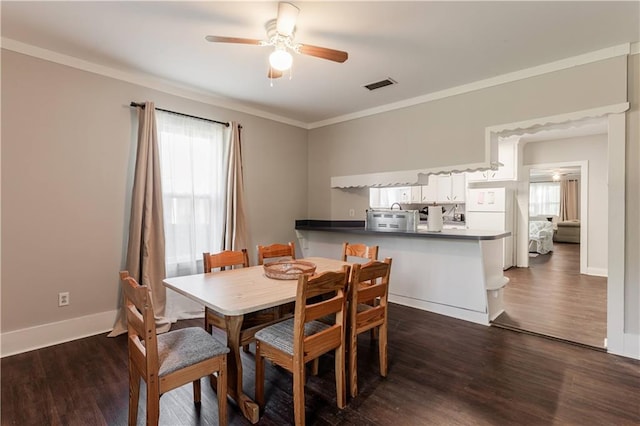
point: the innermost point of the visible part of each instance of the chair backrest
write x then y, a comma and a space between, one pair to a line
368, 283
276, 250
309, 308
143, 343
225, 259
359, 250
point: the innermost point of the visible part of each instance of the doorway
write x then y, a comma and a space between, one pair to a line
612, 322
555, 296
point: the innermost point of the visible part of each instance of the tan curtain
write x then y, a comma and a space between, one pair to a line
236, 231
145, 252
568, 200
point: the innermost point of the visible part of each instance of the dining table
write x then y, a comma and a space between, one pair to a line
235, 293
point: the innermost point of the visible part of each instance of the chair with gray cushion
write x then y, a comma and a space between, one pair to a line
170, 360
301, 339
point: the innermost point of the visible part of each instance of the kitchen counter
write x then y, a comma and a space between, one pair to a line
456, 272
358, 227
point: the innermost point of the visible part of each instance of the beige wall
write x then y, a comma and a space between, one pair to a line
592, 149
448, 131
451, 131
68, 152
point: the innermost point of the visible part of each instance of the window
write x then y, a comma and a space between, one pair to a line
544, 199
193, 156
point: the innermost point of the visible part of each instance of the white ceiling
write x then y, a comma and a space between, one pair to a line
425, 46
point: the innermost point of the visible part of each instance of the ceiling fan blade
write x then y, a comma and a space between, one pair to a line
323, 52
220, 39
274, 73
287, 16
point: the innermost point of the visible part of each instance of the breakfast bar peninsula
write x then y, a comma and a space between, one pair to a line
454, 272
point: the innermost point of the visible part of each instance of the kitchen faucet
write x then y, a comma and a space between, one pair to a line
399, 206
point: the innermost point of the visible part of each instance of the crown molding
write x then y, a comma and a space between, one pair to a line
574, 61
142, 79
187, 92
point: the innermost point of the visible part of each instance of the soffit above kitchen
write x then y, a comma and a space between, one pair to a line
426, 47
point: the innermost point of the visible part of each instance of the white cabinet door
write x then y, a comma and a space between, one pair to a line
444, 189
476, 176
458, 187
507, 156
405, 195
416, 194
430, 191
507, 153
451, 189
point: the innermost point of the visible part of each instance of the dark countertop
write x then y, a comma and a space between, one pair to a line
357, 227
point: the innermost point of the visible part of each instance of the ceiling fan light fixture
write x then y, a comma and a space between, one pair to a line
280, 59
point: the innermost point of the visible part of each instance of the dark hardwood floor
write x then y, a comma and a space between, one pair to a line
442, 371
552, 298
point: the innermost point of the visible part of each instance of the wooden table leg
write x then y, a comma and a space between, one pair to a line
234, 370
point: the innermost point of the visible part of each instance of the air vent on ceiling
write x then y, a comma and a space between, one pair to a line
381, 83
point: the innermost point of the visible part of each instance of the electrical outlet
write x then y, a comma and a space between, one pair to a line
63, 298
352, 212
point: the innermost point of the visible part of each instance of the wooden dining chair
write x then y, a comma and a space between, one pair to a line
369, 282
362, 251
276, 250
170, 360
252, 321
221, 261
294, 342
281, 251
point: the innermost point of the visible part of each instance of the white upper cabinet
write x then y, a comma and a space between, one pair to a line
416, 194
507, 155
451, 189
429, 193
458, 187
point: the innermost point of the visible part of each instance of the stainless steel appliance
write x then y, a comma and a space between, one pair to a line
392, 220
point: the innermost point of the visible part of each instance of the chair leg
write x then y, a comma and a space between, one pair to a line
314, 366
134, 394
196, 391
207, 325
382, 349
245, 348
353, 364
153, 403
341, 390
222, 392
298, 396
259, 377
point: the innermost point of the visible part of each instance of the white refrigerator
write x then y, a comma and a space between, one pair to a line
493, 209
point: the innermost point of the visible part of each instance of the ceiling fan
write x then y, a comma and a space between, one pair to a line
280, 35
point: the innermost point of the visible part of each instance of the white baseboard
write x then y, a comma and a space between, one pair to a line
450, 311
598, 272
630, 346
28, 339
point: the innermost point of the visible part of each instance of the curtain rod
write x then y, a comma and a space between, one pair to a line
226, 124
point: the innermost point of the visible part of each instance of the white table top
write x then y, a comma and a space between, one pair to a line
243, 290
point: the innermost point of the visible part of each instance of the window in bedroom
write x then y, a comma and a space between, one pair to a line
544, 199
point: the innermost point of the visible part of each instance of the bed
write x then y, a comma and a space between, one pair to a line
540, 236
